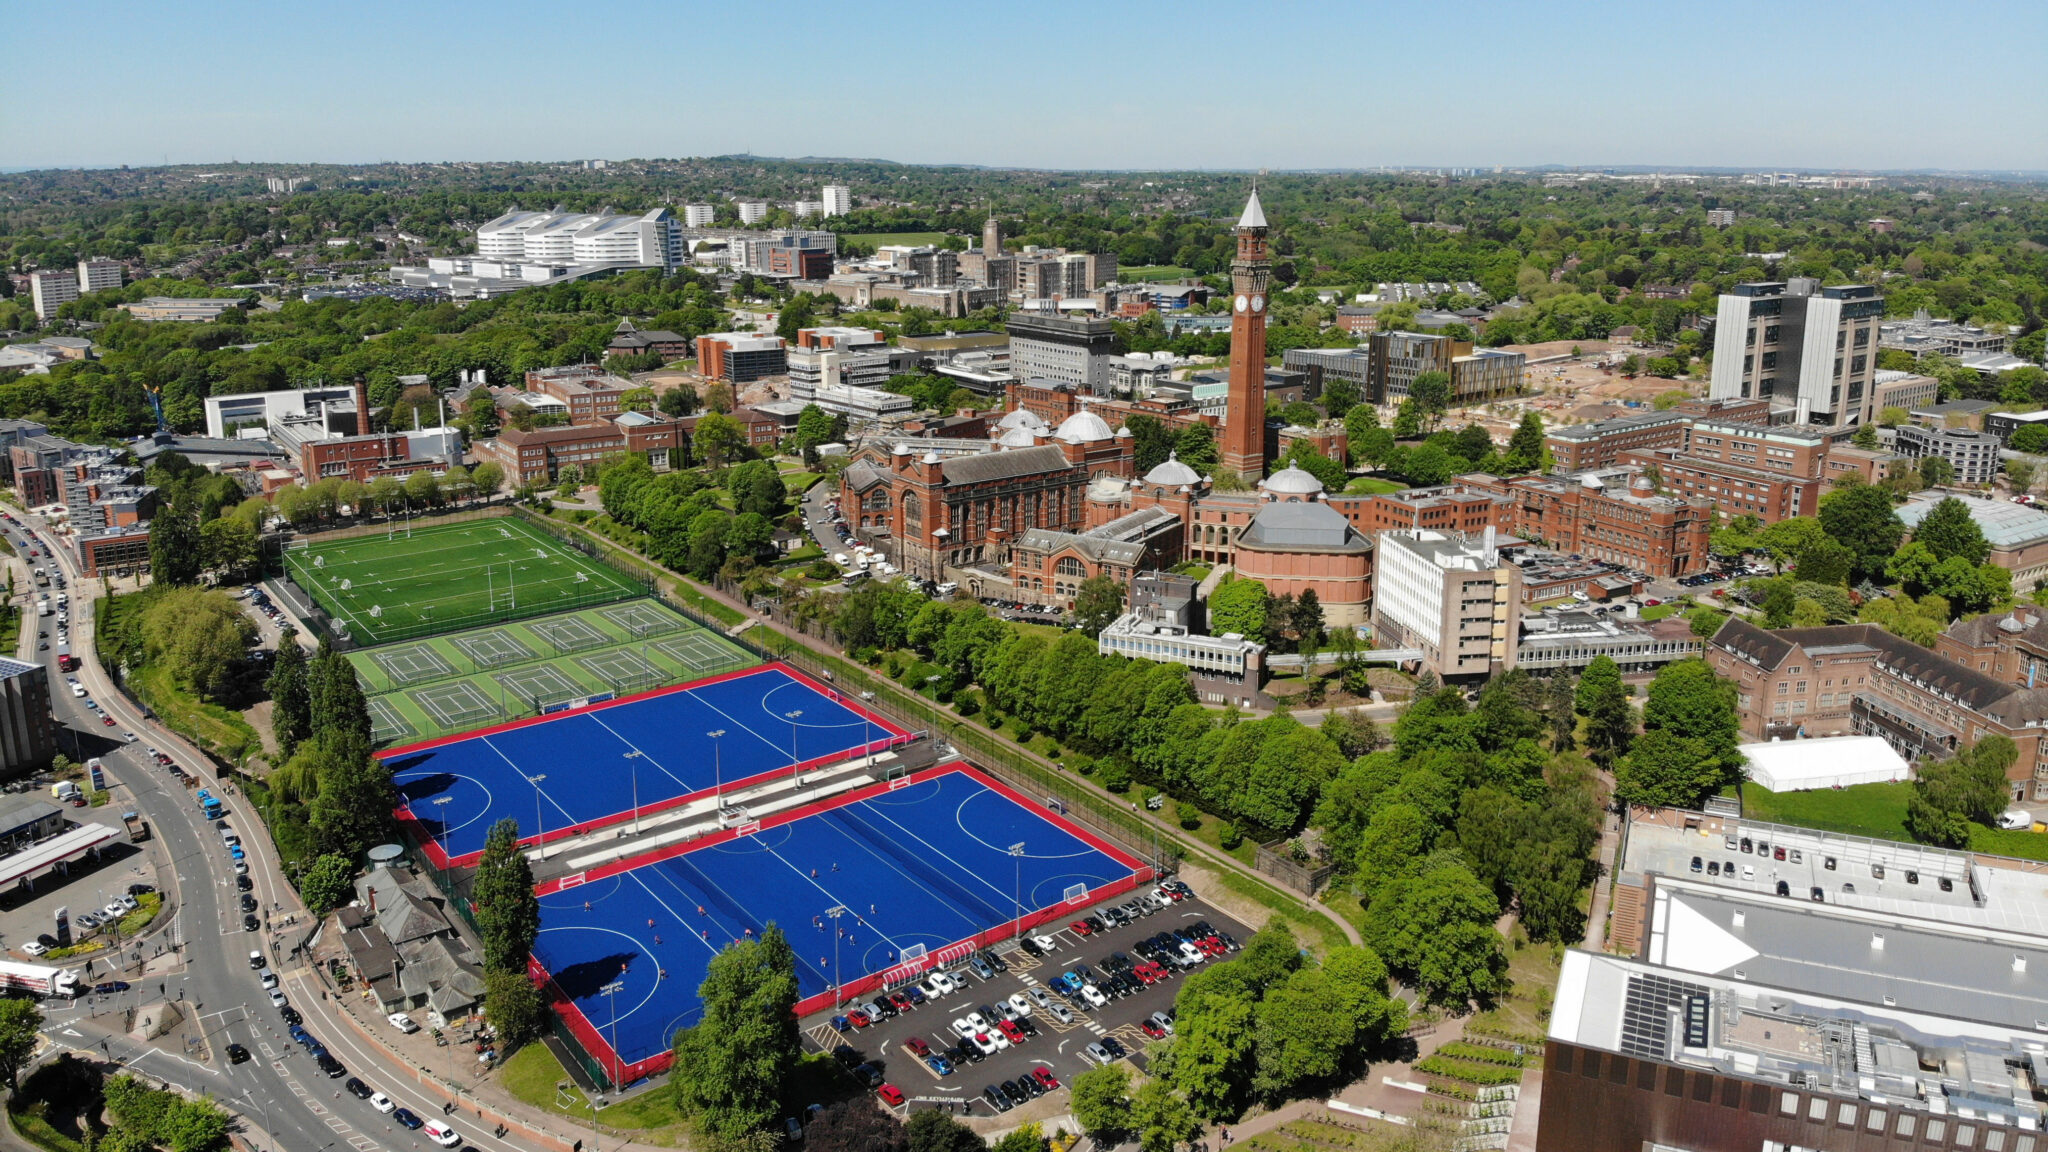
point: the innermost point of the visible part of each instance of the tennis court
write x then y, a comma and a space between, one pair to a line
517, 666
444, 577
586, 767
922, 869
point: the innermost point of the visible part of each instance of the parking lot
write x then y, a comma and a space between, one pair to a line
1057, 1031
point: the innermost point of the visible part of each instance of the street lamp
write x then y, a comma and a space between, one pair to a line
717, 770
634, 756
835, 912
538, 837
611, 992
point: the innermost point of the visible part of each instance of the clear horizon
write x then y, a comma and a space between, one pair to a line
1746, 85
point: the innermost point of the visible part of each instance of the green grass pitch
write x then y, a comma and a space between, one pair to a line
450, 576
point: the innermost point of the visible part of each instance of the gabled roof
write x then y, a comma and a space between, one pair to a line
1987, 695
861, 476
987, 466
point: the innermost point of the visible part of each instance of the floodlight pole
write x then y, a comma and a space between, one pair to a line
867, 721
835, 912
717, 771
440, 802
611, 995
795, 757
635, 756
539, 839
1017, 854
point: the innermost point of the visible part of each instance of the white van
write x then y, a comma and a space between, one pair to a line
2015, 818
78, 690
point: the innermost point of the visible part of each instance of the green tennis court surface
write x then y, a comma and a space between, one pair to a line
441, 685
447, 577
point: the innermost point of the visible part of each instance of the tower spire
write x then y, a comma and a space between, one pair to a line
1244, 424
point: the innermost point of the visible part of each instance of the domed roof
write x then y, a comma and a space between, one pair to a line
1172, 473
1022, 418
1292, 481
1018, 437
1084, 427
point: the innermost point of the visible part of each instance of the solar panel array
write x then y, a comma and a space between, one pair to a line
1646, 1013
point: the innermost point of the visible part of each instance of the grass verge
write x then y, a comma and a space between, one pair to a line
1877, 811
1373, 486
532, 1073
212, 727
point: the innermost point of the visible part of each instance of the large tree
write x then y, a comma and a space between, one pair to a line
175, 555
1097, 604
197, 634
1602, 699
337, 700
856, 1125
1437, 927
507, 911
1948, 530
1102, 1099
351, 810
1238, 606
1861, 518
731, 1067
20, 1022
291, 702
1950, 795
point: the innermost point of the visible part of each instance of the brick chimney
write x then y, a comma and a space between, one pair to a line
362, 407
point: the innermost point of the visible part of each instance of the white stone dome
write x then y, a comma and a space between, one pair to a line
1292, 481
1172, 473
1017, 437
1084, 427
1022, 418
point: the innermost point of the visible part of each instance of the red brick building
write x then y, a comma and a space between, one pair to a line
1614, 515
592, 394
357, 458
1773, 472
1858, 679
538, 456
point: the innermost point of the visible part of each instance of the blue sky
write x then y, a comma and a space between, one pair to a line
1073, 85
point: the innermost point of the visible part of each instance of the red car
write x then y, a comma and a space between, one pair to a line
107, 720
1144, 972
1079, 927
1010, 1031
1045, 1077
890, 1094
901, 1001
1152, 1030
858, 1018
918, 1047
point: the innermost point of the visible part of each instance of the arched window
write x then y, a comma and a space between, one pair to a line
913, 512
1068, 566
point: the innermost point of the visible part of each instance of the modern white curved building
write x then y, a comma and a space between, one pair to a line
653, 239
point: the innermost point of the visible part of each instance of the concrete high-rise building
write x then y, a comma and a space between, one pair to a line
1451, 596
991, 235
1810, 351
1066, 349
99, 275
838, 199
752, 211
698, 215
1244, 419
51, 288
1721, 217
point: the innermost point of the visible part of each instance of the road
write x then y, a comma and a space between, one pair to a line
280, 1089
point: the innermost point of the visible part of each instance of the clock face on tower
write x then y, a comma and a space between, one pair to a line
1258, 303
1241, 303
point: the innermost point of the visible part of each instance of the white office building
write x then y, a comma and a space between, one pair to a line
1450, 596
838, 199
698, 215
752, 211
251, 414
99, 275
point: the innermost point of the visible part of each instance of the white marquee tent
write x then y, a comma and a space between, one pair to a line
1827, 762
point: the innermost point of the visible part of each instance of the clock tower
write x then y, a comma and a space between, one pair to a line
1244, 422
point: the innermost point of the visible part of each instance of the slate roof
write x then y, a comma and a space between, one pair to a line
2006, 703
982, 468
1302, 527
